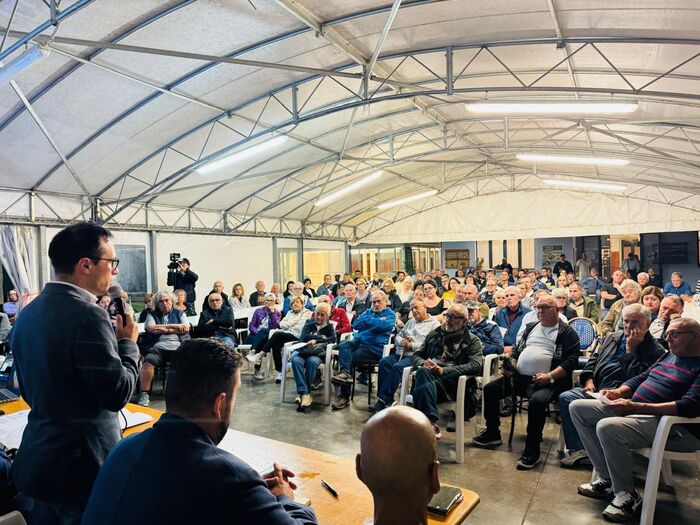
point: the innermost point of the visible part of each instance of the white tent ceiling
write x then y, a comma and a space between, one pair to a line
137, 94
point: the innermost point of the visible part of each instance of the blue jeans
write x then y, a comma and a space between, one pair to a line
573, 441
390, 370
55, 513
350, 353
304, 370
226, 339
257, 341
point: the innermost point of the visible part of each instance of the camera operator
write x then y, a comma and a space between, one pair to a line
180, 276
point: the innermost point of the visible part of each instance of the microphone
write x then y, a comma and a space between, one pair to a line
115, 293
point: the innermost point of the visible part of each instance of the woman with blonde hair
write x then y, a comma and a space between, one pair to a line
394, 300
238, 298
406, 292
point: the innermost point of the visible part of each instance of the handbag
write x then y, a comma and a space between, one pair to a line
318, 350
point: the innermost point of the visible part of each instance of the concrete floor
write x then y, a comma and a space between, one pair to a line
545, 495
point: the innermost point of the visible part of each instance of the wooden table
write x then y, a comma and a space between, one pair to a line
354, 507
16, 406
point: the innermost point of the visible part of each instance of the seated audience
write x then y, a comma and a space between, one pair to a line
297, 291
218, 287
288, 290
405, 313
238, 300
317, 333
535, 281
526, 292
339, 294
562, 282
181, 302
510, 317
622, 356
531, 316
11, 306
582, 305
613, 321
546, 357
276, 289
103, 301
654, 280
264, 319
469, 292
352, 305
357, 275
326, 287
257, 298
148, 306
592, 284
5, 326
376, 281
394, 301
611, 292
450, 292
506, 279
546, 277
487, 331
216, 320
372, 330
460, 275
362, 291
401, 489
448, 352
671, 308
175, 473
406, 290
610, 433
643, 279
443, 284
168, 328
563, 306
342, 283
338, 316
499, 298
289, 331
308, 289
433, 302
678, 287
651, 297
486, 295
407, 341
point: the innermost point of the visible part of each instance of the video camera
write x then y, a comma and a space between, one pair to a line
175, 261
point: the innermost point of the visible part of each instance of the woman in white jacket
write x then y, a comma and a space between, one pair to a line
290, 330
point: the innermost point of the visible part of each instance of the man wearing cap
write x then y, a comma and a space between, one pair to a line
487, 331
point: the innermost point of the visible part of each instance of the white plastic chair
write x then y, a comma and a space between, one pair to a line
12, 518
660, 462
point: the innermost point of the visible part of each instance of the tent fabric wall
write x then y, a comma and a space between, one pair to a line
540, 214
18, 256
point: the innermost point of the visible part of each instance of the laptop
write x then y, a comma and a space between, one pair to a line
7, 395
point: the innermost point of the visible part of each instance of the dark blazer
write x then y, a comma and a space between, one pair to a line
75, 376
630, 364
174, 474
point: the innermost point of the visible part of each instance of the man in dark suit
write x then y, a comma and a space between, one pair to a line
74, 374
174, 473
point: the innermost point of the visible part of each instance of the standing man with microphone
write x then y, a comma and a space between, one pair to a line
74, 373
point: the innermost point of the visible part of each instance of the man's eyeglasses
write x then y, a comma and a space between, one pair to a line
112, 262
676, 333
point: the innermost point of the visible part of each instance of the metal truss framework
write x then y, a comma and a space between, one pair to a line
365, 84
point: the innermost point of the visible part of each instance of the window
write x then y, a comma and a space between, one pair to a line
319, 262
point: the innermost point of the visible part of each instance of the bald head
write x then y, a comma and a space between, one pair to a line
387, 440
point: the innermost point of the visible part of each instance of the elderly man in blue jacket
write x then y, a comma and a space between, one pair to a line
372, 330
487, 331
511, 317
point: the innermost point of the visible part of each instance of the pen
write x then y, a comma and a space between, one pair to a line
329, 489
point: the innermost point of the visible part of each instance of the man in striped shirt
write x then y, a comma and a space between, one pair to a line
628, 416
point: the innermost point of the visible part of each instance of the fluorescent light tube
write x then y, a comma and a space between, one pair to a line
243, 154
553, 108
565, 159
584, 185
347, 189
28, 58
405, 200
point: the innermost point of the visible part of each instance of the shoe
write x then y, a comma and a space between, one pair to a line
340, 403
599, 489
278, 378
317, 381
253, 357
487, 438
575, 459
342, 379
306, 400
297, 400
451, 422
438, 433
506, 411
144, 400
623, 507
528, 460
258, 374
377, 407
